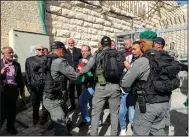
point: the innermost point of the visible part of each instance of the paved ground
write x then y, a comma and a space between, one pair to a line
178, 123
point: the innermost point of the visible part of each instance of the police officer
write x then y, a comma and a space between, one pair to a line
153, 120
109, 91
159, 43
54, 102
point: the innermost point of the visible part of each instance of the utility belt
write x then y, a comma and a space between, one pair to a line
141, 101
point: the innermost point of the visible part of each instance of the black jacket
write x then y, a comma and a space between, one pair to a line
30, 65
18, 77
73, 58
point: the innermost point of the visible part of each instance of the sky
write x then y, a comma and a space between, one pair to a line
183, 2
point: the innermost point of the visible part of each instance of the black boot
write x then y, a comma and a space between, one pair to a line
12, 130
50, 125
35, 117
44, 116
60, 129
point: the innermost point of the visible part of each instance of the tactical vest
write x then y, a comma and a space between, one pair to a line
163, 71
54, 87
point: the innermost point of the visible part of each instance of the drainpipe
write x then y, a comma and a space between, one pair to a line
41, 9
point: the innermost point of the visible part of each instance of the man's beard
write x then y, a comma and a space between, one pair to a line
9, 59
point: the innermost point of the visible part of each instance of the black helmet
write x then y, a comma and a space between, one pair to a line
58, 45
160, 40
106, 41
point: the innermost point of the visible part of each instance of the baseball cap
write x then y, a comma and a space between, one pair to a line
160, 40
58, 45
106, 41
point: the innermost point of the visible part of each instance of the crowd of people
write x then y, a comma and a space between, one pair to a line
138, 80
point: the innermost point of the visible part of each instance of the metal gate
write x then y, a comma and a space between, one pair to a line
174, 37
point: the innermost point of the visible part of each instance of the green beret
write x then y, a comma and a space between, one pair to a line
151, 35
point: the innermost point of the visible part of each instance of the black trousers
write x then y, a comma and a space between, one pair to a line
9, 96
36, 97
72, 93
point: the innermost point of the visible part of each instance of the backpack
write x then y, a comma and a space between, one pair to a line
164, 69
111, 61
38, 76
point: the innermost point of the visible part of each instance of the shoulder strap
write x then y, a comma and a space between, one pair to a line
98, 58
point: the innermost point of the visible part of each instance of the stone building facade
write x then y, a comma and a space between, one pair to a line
86, 22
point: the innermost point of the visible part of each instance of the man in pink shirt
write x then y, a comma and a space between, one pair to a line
11, 84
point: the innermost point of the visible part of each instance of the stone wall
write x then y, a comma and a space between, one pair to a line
83, 22
87, 23
19, 15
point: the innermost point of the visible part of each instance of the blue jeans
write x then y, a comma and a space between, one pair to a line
127, 102
84, 99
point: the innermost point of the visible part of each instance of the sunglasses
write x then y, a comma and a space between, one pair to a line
40, 49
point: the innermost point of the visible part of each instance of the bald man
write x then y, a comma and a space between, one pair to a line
73, 55
34, 79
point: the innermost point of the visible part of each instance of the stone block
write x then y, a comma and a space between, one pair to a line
94, 37
99, 38
75, 35
108, 29
111, 35
99, 32
86, 36
117, 30
103, 33
77, 9
107, 23
63, 19
57, 24
64, 40
65, 26
76, 22
86, 11
87, 24
54, 9
99, 21
90, 19
98, 26
81, 29
65, 4
96, 14
80, 15
71, 27
92, 31
81, 42
93, 45
118, 26
77, 3
71, 14
63, 33
65, 12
